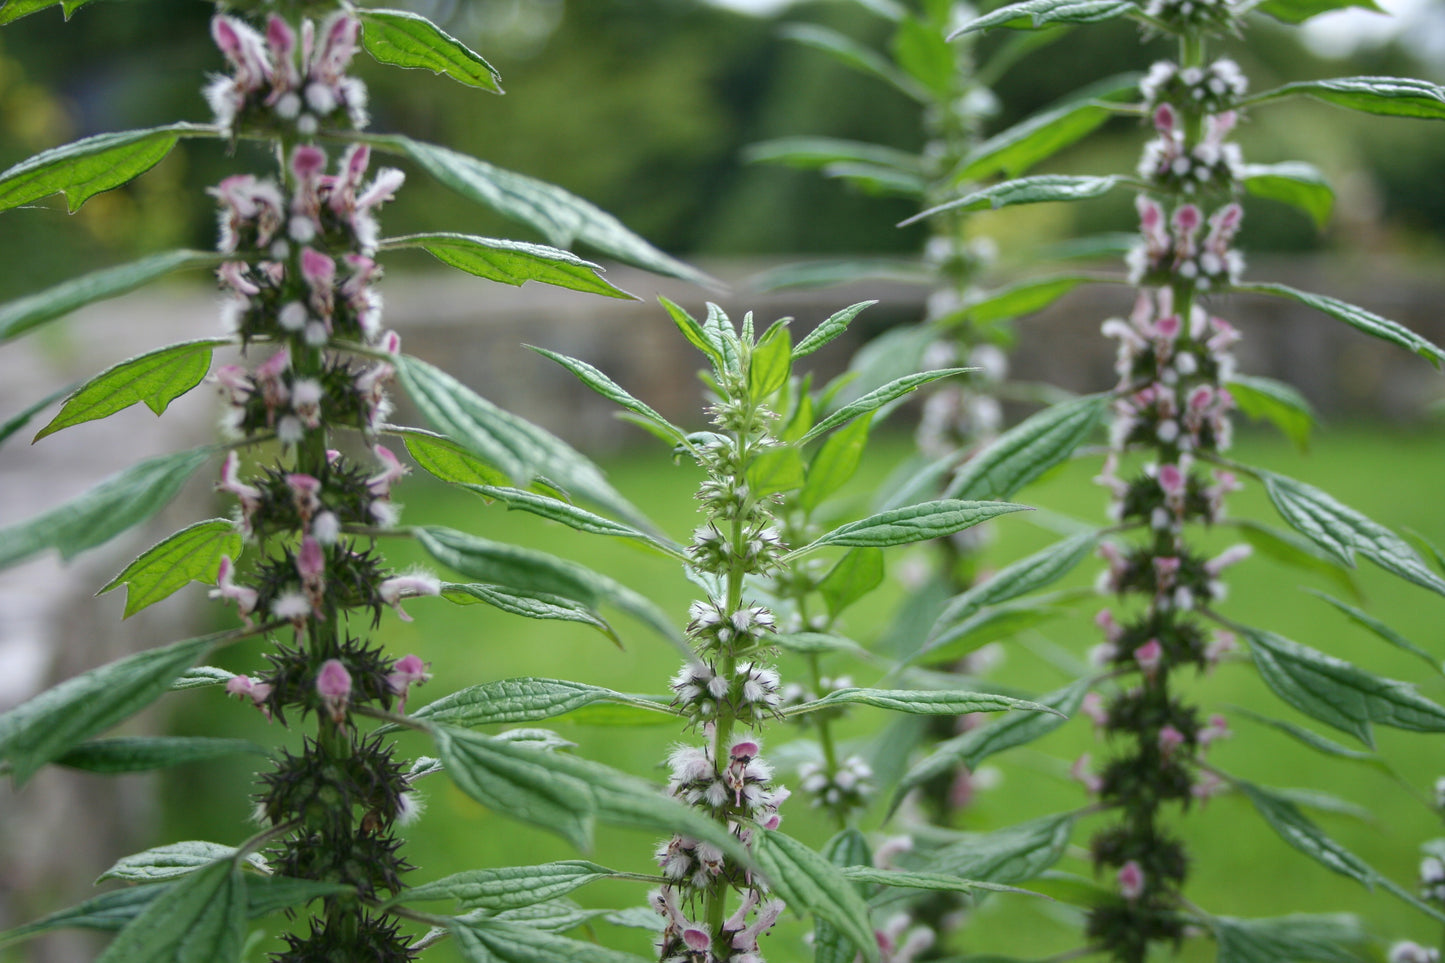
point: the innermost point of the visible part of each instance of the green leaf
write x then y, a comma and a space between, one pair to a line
697, 335
1275, 402
59, 719
877, 398
989, 624
1039, 189
531, 605
821, 274
857, 573
913, 523
771, 362
809, 883
972, 747
13, 425
498, 941
1341, 531
121, 501
1298, 11
157, 378
1357, 317
835, 325
200, 676
1296, 829
33, 310
817, 153
834, 464
609, 389
853, 54
1290, 549
933, 882
143, 753
561, 217
847, 848
1390, 96
1298, 184
1033, 14
1380, 629
405, 39
173, 860
523, 700
1336, 692
817, 643
1015, 300
443, 458
924, 702
1013, 151
1040, 569
1317, 742
776, 470
191, 555
1009, 855
87, 167
200, 919
15, 9
509, 887
1287, 939
922, 51
1029, 449
512, 262
556, 510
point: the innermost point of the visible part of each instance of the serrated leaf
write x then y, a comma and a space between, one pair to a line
1038, 570
817, 643
534, 605
87, 167
156, 378
1013, 151
847, 848
1039, 189
143, 753
913, 523
1275, 402
1341, 531
926, 702
523, 700
561, 217
1390, 96
1338, 693
405, 39
1010, 855
809, 883
933, 882
191, 555
201, 676
1290, 549
512, 262
856, 574
199, 919
499, 941
509, 887
15, 9
834, 464
173, 860
972, 747
1029, 449
1286, 939
33, 310
831, 328
1015, 301
1032, 14
878, 398
554, 509
853, 54
1380, 629
59, 719
775, 471
1357, 317
612, 391
1295, 183
121, 501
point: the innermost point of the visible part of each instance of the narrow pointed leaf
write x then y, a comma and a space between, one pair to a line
199, 919
59, 719
1275, 402
612, 391
1010, 855
17, 422
1336, 692
857, 573
696, 334
1357, 317
914, 523
1318, 939
835, 325
1391, 96
933, 882
853, 54
817, 153
926, 702
200, 676
1298, 11
509, 887
1029, 449
1341, 531
835, 463
1041, 569
144, 753
33, 310
877, 398
822, 274
119, 502
771, 362
499, 941
1032, 14
848, 848
512, 262
775, 471
1380, 629
87, 167
991, 623
510, 701
555, 509
405, 39
173, 860
1288, 548
1039, 189
1318, 742
443, 458
15, 9
1294, 183
1016, 300
528, 571
809, 883
191, 555
531, 605
561, 217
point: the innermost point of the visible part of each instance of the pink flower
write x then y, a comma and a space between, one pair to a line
392, 471
1148, 656
1218, 728
1093, 707
1080, 772
1170, 739
405, 672
248, 495
1131, 880
333, 684
1171, 480
398, 587
1230, 556
226, 589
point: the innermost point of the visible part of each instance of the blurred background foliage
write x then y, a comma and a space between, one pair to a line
643, 107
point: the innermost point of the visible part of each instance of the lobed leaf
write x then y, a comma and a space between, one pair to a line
1298, 184
522, 700
1029, 449
509, 887
92, 518
173, 860
405, 39
1039, 189
199, 919
1276, 402
143, 753
1357, 317
191, 555
809, 883
1032, 14
33, 310
531, 605
878, 398
913, 523
1390, 96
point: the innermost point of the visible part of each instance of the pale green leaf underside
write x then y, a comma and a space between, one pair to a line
1319, 939
1039, 189
1037, 571
921, 702
877, 398
484, 940
1357, 317
509, 887
1016, 300
1032, 14
1380, 629
200, 919
817, 153
829, 329
1029, 449
1390, 96
512, 262
172, 860
809, 883
853, 54
405, 39
914, 523
1009, 855
612, 391
530, 605
510, 701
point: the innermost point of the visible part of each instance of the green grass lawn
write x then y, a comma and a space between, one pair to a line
1240, 867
